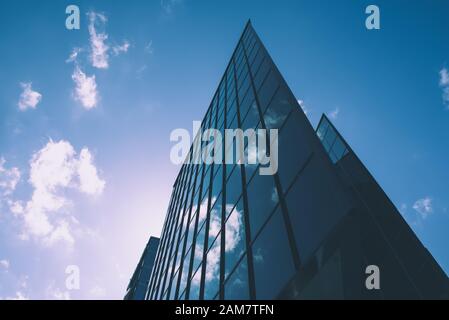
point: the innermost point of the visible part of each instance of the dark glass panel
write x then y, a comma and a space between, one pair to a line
273, 264
236, 287
262, 198
235, 244
212, 279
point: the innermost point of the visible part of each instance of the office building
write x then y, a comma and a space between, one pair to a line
314, 229
139, 282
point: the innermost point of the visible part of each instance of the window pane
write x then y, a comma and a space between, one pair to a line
198, 254
292, 159
261, 74
330, 136
234, 187
245, 102
195, 284
267, 90
235, 239
215, 220
278, 110
315, 206
236, 287
273, 264
212, 279
262, 198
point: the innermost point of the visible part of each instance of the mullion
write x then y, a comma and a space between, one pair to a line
285, 213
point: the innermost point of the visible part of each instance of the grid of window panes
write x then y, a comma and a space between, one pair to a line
331, 139
227, 233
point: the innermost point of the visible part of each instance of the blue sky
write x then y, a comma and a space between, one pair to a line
85, 175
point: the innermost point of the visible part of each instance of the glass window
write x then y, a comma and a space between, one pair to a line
252, 47
215, 220
262, 198
322, 129
220, 120
206, 182
232, 124
250, 154
338, 148
195, 284
236, 287
235, 244
268, 89
173, 286
232, 109
293, 149
273, 264
277, 111
258, 59
248, 40
241, 70
212, 279
203, 212
315, 206
257, 50
261, 74
230, 94
234, 187
182, 296
190, 233
245, 85
184, 275
252, 118
246, 103
198, 254
178, 255
330, 137
217, 185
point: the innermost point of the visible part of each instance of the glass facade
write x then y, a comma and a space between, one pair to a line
138, 284
331, 139
219, 239
231, 233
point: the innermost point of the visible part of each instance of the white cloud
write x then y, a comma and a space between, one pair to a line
444, 77
303, 107
121, 48
99, 49
74, 55
233, 237
60, 233
4, 264
54, 293
90, 183
9, 178
334, 114
97, 292
423, 206
28, 98
19, 296
15, 207
85, 89
149, 47
54, 169
169, 5
444, 84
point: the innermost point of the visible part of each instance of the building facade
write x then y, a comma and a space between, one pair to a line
311, 230
141, 277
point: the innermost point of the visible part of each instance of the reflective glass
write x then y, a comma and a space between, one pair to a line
262, 198
212, 278
236, 287
234, 239
273, 264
